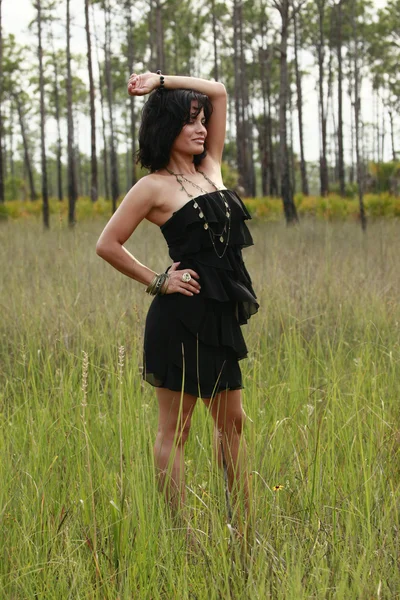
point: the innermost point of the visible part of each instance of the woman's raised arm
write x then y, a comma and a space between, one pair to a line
144, 83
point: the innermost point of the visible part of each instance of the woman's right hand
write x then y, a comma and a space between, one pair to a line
175, 283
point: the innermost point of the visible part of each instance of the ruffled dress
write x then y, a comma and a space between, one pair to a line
195, 342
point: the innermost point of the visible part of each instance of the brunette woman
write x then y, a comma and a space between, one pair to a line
193, 340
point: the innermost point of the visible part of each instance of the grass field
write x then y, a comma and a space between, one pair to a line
80, 514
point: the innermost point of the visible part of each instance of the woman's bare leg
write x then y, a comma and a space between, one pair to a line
229, 416
174, 417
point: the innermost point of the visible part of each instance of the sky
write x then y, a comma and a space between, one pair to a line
18, 13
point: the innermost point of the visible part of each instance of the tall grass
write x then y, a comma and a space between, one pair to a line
80, 513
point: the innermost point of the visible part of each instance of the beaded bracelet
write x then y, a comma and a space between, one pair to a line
161, 79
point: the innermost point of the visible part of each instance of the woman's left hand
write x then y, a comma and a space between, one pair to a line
140, 85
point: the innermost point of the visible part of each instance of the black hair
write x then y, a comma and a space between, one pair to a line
163, 117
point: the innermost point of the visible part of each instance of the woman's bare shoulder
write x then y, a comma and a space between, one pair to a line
154, 184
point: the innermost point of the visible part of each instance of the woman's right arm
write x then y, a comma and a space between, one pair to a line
136, 205
133, 209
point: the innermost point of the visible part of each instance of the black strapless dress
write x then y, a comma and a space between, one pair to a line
194, 342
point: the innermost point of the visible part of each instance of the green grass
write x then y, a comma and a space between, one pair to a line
331, 208
80, 516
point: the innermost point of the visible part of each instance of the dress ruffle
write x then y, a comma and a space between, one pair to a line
201, 337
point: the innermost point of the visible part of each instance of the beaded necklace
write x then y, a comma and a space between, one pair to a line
213, 234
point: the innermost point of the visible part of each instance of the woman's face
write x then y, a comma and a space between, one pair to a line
191, 138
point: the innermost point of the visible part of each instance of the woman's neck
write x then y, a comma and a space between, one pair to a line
182, 165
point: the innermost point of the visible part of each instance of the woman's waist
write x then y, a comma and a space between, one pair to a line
229, 260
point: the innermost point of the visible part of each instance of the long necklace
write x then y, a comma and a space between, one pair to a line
213, 234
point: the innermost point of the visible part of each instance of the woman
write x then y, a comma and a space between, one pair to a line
192, 340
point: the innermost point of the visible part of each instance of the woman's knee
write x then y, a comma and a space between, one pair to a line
177, 431
231, 422
175, 413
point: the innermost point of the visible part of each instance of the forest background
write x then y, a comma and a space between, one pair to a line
313, 88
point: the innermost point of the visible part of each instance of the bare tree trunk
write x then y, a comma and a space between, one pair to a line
152, 36
357, 111
250, 177
378, 128
160, 37
93, 156
303, 164
350, 91
2, 197
110, 100
243, 124
103, 121
5, 150
292, 160
57, 117
77, 154
329, 106
392, 135
321, 57
263, 137
341, 171
273, 182
131, 60
27, 158
12, 165
72, 189
214, 29
238, 108
286, 188
45, 196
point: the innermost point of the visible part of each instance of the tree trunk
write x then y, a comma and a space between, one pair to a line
12, 164
57, 117
110, 100
303, 164
214, 29
103, 121
249, 174
321, 56
160, 37
291, 137
27, 158
131, 61
243, 124
238, 108
72, 190
330, 107
273, 182
375, 145
341, 171
94, 193
350, 92
357, 111
152, 36
5, 149
2, 198
77, 154
45, 196
286, 188
263, 129
392, 135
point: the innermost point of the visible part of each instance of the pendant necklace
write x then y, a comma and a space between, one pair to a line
213, 234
